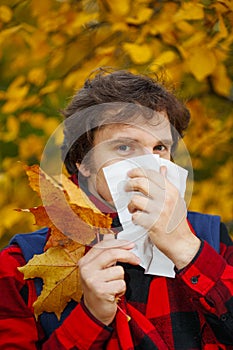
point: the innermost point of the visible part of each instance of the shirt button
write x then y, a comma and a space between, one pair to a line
194, 279
223, 318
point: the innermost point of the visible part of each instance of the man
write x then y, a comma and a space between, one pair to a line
121, 116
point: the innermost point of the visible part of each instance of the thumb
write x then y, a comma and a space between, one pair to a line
163, 170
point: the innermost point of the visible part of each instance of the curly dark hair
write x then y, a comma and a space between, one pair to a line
94, 105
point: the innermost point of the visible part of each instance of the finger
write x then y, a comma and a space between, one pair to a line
104, 245
112, 256
140, 184
146, 188
112, 273
107, 258
152, 175
148, 205
144, 219
114, 287
100, 277
106, 290
141, 203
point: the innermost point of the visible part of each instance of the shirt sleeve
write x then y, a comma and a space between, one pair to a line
80, 330
18, 327
209, 282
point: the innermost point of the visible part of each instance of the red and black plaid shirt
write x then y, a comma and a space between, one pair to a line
192, 311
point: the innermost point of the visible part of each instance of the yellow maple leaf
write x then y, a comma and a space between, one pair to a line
18, 88
141, 17
165, 58
139, 54
119, 8
74, 222
202, 62
189, 11
60, 273
5, 14
221, 82
32, 145
37, 76
50, 87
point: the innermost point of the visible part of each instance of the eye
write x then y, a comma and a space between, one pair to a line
124, 148
159, 148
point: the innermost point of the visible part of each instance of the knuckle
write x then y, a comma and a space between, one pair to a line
90, 281
135, 217
116, 254
139, 202
136, 183
111, 254
135, 200
122, 286
83, 269
121, 271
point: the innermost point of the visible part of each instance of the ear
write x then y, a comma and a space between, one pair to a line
83, 170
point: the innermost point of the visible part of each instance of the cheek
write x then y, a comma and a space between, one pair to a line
167, 156
102, 187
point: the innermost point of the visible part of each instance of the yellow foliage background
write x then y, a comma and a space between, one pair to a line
48, 48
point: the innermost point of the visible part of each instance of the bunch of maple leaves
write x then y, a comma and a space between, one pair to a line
73, 222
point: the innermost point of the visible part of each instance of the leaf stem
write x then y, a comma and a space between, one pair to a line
124, 313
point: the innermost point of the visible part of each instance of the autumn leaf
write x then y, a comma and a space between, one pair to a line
221, 82
66, 208
139, 54
141, 17
73, 221
60, 273
69, 227
37, 76
128, 34
207, 59
120, 7
189, 11
5, 13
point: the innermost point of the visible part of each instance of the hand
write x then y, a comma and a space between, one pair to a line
159, 208
102, 280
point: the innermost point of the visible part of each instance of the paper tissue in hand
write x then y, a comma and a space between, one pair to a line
152, 259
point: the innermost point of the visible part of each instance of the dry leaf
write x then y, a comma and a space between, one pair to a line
66, 208
74, 222
207, 59
59, 270
57, 238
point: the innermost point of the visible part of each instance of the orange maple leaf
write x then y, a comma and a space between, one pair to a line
74, 222
66, 208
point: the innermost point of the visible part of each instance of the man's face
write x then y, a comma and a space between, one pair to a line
116, 142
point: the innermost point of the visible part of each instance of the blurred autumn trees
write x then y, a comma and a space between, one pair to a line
48, 48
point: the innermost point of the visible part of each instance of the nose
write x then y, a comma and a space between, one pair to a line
148, 150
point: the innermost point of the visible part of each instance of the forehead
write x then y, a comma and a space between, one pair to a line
157, 128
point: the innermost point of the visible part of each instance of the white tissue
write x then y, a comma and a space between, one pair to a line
152, 259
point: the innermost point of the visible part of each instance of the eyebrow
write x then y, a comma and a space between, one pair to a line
122, 139
128, 139
166, 141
